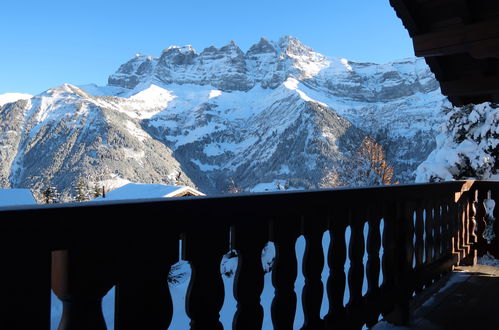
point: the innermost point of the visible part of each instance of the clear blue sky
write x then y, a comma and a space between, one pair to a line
44, 44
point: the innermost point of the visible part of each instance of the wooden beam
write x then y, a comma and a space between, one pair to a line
471, 86
480, 40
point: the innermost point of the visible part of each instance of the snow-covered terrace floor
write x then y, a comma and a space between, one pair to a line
467, 298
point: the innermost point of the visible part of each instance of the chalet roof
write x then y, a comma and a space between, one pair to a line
460, 42
10, 197
139, 191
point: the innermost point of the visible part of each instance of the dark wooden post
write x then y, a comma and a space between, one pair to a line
313, 262
204, 248
143, 299
473, 227
249, 239
283, 233
336, 257
356, 249
419, 242
429, 232
437, 229
373, 266
403, 230
80, 278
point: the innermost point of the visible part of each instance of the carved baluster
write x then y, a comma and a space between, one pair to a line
373, 266
473, 227
465, 224
356, 250
450, 223
437, 230
143, 299
389, 261
461, 230
248, 239
408, 221
204, 250
447, 237
455, 230
403, 231
429, 233
80, 278
419, 244
313, 263
335, 318
284, 233
446, 240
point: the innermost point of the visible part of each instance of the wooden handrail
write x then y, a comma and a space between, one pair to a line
416, 234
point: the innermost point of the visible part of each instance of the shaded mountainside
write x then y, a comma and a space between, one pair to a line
279, 112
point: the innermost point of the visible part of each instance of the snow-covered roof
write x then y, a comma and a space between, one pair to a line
10, 197
139, 191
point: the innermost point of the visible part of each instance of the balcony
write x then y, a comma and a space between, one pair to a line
402, 240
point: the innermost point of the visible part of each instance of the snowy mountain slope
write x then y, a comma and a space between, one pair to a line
279, 111
64, 134
252, 136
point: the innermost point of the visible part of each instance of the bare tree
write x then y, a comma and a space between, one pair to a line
372, 167
366, 167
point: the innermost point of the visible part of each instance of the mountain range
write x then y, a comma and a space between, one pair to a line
279, 112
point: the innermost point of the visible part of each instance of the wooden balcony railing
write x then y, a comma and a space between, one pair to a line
416, 233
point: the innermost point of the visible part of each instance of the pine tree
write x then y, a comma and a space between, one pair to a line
467, 147
97, 190
51, 195
82, 193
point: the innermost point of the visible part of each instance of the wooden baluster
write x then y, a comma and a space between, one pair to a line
429, 233
494, 247
473, 227
465, 225
389, 261
143, 299
284, 232
356, 250
204, 249
420, 243
313, 263
437, 230
460, 230
373, 266
248, 239
337, 252
447, 215
403, 231
446, 238
454, 230
80, 278
408, 218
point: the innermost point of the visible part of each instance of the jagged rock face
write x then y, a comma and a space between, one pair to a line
280, 111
